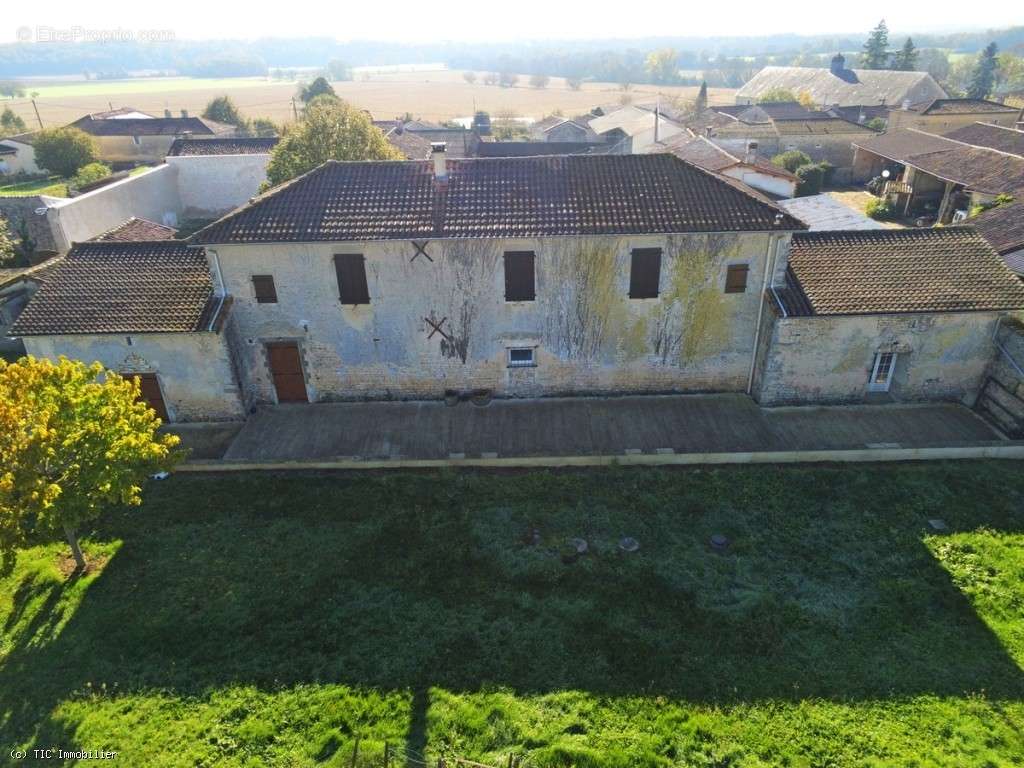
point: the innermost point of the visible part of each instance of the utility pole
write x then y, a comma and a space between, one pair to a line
295, 110
37, 114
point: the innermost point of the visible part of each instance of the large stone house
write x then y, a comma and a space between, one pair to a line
839, 86
563, 275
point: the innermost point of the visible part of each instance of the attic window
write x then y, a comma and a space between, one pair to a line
519, 277
736, 278
645, 273
263, 287
351, 272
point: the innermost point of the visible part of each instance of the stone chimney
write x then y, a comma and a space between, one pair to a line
438, 154
750, 156
167, 113
838, 64
184, 113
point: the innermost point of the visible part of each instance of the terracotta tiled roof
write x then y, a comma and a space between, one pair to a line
229, 146
412, 145
114, 287
850, 87
37, 272
961, 107
1002, 226
535, 148
135, 230
865, 272
950, 159
499, 197
995, 137
702, 152
460, 141
154, 126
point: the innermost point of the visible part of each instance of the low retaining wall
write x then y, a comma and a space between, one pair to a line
1003, 450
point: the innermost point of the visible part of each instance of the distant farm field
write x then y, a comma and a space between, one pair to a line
434, 95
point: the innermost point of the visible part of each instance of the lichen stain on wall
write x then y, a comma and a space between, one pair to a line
694, 319
954, 343
461, 286
856, 354
589, 303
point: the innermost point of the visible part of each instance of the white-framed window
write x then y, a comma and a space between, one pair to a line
881, 372
136, 141
521, 357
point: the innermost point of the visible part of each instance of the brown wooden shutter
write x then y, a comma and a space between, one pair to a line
645, 273
519, 281
351, 270
736, 278
151, 394
266, 292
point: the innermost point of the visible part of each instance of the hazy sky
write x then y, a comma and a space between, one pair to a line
533, 19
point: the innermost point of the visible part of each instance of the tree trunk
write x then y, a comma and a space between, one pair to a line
76, 550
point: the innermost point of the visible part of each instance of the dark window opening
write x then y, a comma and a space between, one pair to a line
736, 278
351, 270
521, 357
263, 286
645, 273
519, 280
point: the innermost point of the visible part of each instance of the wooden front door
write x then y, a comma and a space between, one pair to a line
286, 368
151, 394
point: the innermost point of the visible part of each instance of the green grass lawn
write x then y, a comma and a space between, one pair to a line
53, 186
271, 620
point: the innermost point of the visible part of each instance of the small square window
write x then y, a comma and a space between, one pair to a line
263, 287
736, 278
521, 357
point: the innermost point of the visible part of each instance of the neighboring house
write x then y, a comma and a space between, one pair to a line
17, 155
903, 314
943, 176
839, 86
142, 309
860, 113
944, 115
1003, 227
412, 145
824, 212
749, 168
561, 129
17, 285
632, 129
461, 142
781, 127
216, 175
141, 140
124, 113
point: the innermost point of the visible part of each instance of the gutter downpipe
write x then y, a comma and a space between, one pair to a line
220, 288
769, 261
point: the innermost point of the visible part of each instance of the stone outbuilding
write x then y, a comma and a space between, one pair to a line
143, 309
886, 314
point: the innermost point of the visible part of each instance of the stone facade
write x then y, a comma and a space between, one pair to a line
194, 369
588, 335
828, 359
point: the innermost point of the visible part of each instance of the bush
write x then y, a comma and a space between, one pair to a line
879, 209
539, 81
827, 172
792, 160
64, 150
811, 176
574, 83
90, 173
875, 186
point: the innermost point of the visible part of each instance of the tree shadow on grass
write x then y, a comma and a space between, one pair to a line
409, 582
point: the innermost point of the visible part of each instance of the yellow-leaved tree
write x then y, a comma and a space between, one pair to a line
74, 439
